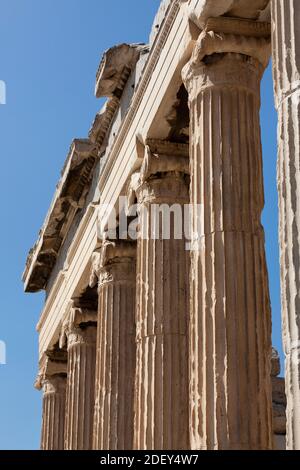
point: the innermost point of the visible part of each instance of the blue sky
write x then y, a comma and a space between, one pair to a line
49, 54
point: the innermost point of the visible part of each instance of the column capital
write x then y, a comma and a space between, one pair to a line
49, 371
52, 379
163, 161
112, 251
109, 253
75, 327
54, 384
231, 36
162, 156
115, 262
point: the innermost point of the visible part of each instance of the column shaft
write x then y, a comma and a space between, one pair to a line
286, 66
80, 388
54, 389
230, 326
115, 368
161, 405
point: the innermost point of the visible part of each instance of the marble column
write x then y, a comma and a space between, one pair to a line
52, 381
279, 404
81, 332
230, 324
286, 67
161, 402
115, 364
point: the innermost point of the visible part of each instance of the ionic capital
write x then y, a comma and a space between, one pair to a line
54, 384
74, 329
162, 178
161, 157
116, 261
49, 372
228, 35
111, 251
164, 157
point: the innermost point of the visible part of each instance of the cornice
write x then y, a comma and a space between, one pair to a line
102, 122
69, 197
78, 170
115, 68
62, 278
42, 257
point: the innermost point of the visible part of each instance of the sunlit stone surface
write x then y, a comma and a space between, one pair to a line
162, 342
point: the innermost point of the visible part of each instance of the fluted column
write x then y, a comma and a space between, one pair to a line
279, 404
286, 67
115, 366
230, 325
52, 380
161, 403
81, 332
54, 390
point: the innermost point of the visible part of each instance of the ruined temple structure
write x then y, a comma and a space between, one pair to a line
164, 342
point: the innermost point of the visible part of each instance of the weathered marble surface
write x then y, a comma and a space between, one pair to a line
286, 63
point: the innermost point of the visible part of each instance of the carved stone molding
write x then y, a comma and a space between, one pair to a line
231, 8
239, 27
102, 122
115, 68
168, 148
